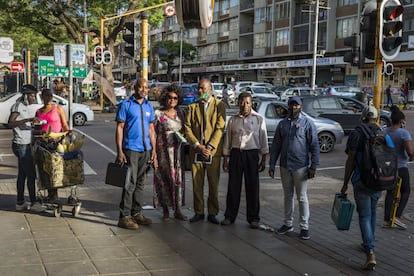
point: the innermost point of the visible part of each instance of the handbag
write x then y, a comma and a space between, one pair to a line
118, 174
342, 211
185, 157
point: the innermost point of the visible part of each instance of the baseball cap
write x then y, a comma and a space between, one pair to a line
28, 88
295, 99
369, 112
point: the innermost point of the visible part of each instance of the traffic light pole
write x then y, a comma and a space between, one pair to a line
101, 42
378, 63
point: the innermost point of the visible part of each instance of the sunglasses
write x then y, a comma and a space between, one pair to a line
172, 98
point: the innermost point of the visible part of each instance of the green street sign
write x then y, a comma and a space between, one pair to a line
46, 68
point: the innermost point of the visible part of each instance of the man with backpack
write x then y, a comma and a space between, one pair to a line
370, 157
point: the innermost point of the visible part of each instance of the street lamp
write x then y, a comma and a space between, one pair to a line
315, 39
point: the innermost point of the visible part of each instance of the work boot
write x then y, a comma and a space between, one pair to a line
127, 223
141, 219
371, 262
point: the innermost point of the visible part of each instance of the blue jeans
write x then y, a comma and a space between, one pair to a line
366, 201
26, 171
295, 181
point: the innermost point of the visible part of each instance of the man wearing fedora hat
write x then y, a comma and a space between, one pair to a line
296, 142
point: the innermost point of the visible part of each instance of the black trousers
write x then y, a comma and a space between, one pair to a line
243, 162
405, 195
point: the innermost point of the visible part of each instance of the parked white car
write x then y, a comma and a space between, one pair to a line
120, 89
260, 92
81, 112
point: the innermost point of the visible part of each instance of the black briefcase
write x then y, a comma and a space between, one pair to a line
117, 174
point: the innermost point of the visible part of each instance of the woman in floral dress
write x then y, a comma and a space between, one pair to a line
168, 177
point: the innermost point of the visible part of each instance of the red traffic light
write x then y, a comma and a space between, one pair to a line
392, 12
391, 25
97, 54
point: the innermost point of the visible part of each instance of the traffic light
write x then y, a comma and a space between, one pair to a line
97, 55
368, 28
107, 57
353, 57
129, 38
390, 32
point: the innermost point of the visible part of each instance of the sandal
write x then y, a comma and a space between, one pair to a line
180, 216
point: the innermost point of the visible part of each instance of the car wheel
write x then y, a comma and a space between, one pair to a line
326, 142
79, 119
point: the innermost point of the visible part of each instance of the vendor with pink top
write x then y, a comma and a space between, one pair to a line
54, 117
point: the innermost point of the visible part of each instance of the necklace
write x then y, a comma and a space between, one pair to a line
171, 113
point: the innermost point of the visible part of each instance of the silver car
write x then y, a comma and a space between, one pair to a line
329, 132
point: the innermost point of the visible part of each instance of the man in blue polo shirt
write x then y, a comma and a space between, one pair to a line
135, 144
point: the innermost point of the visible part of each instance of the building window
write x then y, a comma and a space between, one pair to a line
260, 15
212, 49
300, 39
224, 27
282, 37
346, 27
234, 3
260, 40
234, 24
213, 29
282, 10
347, 2
232, 46
193, 33
224, 7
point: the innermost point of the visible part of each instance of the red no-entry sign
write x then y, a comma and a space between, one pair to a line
17, 67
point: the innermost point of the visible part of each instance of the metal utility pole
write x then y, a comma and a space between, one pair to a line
378, 63
103, 19
144, 45
315, 45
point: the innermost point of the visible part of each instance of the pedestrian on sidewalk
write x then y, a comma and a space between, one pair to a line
366, 199
296, 142
55, 117
135, 145
169, 130
244, 141
204, 126
405, 151
389, 96
20, 119
225, 94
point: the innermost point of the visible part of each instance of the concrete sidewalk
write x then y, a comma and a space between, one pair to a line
92, 244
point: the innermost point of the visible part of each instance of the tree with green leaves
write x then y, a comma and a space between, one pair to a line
37, 24
172, 53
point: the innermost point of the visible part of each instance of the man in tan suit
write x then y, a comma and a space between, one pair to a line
204, 126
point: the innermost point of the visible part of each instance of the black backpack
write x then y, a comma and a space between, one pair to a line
379, 159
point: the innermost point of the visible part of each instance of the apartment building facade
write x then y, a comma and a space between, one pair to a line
273, 40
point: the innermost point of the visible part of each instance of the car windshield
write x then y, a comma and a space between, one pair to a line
261, 90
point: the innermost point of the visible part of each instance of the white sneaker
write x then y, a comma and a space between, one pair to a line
23, 207
37, 207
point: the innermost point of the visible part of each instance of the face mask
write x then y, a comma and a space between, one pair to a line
294, 113
204, 96
403, 124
